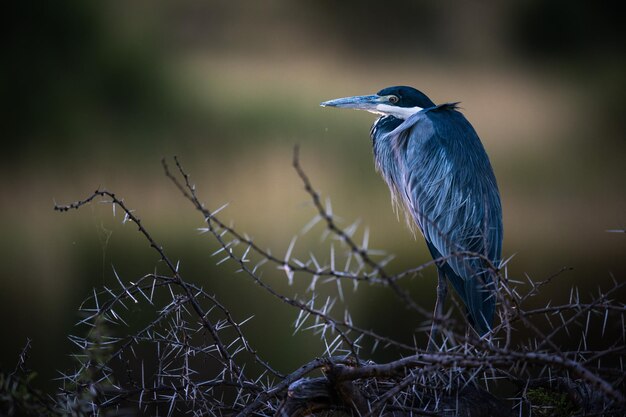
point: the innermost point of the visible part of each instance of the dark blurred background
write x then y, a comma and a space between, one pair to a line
95, 93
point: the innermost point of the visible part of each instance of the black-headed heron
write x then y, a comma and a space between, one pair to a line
437, 169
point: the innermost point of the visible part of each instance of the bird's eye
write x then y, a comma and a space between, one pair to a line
393, 99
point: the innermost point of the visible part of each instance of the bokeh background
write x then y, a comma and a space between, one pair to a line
94, 94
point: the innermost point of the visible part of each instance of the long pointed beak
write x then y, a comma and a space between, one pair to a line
356, 102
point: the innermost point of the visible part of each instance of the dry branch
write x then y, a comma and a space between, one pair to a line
193, 356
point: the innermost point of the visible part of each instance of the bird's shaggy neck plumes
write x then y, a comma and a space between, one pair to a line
384, 153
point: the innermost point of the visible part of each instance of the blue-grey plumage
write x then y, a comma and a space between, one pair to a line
437, 169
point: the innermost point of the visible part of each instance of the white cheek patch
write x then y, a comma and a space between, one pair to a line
397, 112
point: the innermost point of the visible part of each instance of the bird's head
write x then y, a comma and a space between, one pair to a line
400, 102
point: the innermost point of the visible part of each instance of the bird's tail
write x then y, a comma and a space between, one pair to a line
480, 302
476, 290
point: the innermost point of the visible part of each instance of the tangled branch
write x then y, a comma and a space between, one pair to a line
193, 355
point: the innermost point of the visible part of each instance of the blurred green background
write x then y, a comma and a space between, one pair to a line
95, 93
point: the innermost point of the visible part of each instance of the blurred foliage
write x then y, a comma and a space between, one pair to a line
574, 32
75, 69
583, 41
18, 398
70, 74
545, 403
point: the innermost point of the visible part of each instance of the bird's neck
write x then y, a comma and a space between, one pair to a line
384, 155
385, 158
382, 126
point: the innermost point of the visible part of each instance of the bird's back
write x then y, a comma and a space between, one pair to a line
437, 168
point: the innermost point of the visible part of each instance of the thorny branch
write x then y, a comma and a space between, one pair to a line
193, 356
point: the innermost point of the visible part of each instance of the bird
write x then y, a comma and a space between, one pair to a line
438, 171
